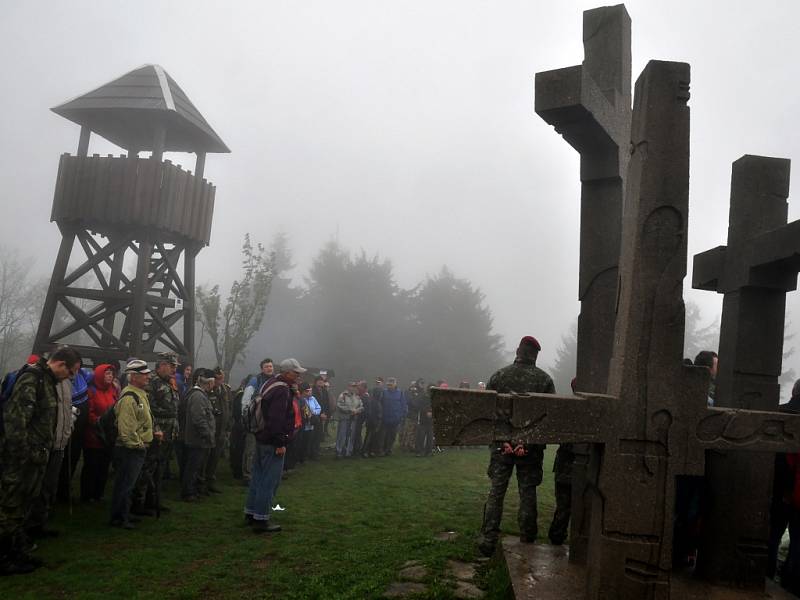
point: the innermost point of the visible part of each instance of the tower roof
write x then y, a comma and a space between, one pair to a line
127, 110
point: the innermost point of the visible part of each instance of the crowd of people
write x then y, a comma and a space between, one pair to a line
140, 426
142, 421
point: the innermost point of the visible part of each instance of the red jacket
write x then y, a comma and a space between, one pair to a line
793, 462
298, 416
101, 398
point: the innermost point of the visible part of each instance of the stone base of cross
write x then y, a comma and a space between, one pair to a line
544, 572
467, 418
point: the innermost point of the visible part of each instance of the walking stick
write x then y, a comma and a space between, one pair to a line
156, 477
69, 472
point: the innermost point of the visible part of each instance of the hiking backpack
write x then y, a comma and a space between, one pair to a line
254, 421
7, 388
106, 425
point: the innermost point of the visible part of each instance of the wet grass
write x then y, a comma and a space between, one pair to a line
348, 528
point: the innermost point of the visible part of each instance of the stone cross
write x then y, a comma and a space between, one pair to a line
754, 272
590, 105
654, 424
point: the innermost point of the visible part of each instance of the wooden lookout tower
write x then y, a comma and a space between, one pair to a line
123, 281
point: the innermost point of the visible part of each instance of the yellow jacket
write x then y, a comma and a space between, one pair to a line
134, 420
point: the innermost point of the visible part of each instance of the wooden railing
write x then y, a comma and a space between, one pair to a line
116, 192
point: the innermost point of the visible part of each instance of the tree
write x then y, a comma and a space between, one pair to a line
699, 337
788, 376
20, 308
231, 326
566, 363
353, 318
452, 335
356, 314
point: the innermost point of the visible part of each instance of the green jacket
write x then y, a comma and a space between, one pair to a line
134, 420
200, 426
163, 404
521, 377
30, 416
220, 398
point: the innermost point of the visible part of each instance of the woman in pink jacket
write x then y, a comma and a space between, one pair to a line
96, 456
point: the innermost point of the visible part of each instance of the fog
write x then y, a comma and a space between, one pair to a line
405, 129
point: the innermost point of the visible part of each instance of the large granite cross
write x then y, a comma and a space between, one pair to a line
590, 105
754, 272
654, 424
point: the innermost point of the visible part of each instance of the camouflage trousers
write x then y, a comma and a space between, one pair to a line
20, 485
144, 492
408, 434
562, 469
529, 476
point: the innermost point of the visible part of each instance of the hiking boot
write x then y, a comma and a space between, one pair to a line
26, 557
26, 544
43, 532
486, 549
248, 519
265, 527
15, 566
143, 512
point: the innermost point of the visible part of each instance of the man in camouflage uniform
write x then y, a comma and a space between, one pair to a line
521, 377
29, 423
220, 397
562, 469
163, 395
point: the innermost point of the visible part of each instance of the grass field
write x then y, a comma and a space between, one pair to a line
348, 528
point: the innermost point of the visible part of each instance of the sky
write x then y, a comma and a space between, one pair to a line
405, 129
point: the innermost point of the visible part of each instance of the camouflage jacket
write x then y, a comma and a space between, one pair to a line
220, 398
163, 403
30, 416
521, 377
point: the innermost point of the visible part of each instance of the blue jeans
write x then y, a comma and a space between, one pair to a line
344, 437
127, 466
267, 470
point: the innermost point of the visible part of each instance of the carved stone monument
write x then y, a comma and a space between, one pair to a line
590, 105
654, 424
754, 272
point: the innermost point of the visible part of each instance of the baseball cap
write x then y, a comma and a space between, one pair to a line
137, 366
291, 364
169, 357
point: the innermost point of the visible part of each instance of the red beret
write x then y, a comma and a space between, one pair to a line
529, 340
